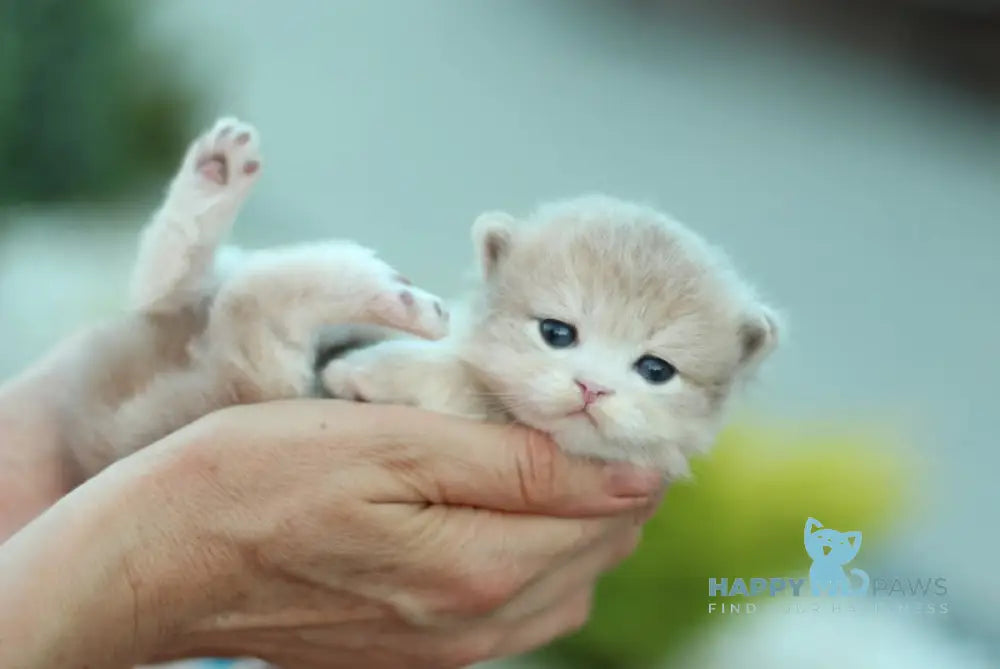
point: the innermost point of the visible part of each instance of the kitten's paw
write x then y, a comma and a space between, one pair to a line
314, 286
412, 309
226, 157
351, 378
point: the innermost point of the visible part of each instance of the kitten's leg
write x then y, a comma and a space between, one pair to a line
419, 373
177, 246
266, 320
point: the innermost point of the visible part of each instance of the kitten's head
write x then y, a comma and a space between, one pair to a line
613, 328
826, 545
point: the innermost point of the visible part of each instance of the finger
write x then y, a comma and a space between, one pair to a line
479, 640
486, 558
579, 571
455, 461
548, 625
651, 509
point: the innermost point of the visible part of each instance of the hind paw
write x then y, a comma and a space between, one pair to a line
406, 307
224, 159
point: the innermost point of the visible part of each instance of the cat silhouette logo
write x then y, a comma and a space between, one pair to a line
830, 550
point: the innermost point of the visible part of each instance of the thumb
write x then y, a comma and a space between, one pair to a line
508, 468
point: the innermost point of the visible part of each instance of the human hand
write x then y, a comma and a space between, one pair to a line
325, 534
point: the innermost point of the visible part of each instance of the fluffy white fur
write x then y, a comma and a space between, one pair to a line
206, 329
633, 282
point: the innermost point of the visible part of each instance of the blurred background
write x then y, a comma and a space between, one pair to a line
846, 154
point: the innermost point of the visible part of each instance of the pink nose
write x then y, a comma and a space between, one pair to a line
592, 391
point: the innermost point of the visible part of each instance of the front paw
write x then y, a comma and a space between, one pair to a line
349, 379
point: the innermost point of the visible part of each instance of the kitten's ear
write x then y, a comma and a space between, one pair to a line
492, 234
759, 335
811, 524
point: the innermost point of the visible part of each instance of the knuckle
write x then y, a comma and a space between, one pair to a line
490, 593
650, 511
627, 544
482, 593
538, 468
578, 612
470, 650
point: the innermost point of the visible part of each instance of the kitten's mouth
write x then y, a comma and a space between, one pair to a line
583, 412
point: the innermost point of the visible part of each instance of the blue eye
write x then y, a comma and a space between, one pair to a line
556, 333
654, 370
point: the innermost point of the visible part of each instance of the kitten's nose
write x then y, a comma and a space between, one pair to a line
591, 391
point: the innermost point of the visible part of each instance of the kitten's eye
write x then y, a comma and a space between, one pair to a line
556, 333
654, 370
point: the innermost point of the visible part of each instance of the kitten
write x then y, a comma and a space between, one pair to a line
606, 324
207, 328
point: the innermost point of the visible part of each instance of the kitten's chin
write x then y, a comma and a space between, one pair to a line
578, 435
583, 440
574, 434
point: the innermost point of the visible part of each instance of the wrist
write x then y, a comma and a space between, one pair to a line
107, 576
34, 470
68, 587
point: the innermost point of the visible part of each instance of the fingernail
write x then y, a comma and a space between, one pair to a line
625, 480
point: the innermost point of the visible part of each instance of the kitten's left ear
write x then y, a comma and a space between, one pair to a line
759, 335
492, 234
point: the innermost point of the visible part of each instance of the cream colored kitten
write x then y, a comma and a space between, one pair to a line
203, 331
603, 323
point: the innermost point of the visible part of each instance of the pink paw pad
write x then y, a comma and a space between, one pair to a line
413, 310
226, 152
214, 168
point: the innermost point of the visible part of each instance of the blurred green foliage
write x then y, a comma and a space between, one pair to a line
742, 515
90, 107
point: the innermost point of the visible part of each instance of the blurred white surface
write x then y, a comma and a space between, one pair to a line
831, 641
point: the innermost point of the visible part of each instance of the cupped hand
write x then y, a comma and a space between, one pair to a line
329, 534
